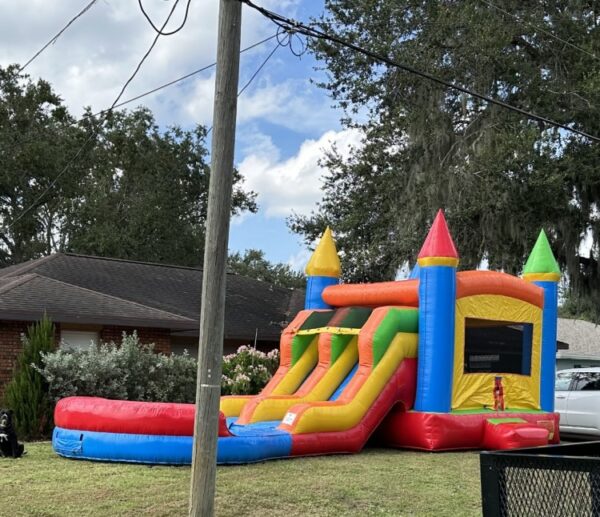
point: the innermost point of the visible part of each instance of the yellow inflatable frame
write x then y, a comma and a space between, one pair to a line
475, 390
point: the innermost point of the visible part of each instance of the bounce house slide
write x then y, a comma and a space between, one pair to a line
298, 356
444, 360
290, 426
327, 353
366, 364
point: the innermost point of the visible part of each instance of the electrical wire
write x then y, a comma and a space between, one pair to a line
154, 90
182, 78
300, 28
539, 29
58, 34
160, 31
254, 75
93, 134
144, 57
262, 65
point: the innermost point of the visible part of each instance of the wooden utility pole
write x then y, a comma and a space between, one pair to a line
210, 348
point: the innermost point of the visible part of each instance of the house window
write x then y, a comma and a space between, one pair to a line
78, 339
497, 346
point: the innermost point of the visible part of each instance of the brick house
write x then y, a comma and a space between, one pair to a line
92, 299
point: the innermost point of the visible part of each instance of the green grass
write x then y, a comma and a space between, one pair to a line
374, 482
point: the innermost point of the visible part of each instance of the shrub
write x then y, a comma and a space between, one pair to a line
133, 371
247, 371
27, 393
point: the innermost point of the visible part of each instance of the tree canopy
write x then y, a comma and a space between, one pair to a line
252, 263
499, 176
137, 191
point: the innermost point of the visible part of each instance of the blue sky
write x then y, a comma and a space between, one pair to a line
284, 122
267, 231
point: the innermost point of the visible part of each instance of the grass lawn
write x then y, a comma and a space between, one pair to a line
375, 482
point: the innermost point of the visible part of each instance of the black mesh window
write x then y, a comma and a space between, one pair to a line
497, 346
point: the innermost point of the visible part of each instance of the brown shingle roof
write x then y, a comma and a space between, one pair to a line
80, 287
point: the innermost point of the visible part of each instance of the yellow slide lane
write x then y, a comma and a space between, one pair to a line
297, 373
232, 406
275, 407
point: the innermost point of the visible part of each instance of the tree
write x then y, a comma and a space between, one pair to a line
254, 265
27, 392
499, 175
38, 137
147, 193
135, 191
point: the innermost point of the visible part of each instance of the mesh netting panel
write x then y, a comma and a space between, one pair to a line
548, 487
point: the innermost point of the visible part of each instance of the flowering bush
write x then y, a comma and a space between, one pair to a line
247, 371
132, 371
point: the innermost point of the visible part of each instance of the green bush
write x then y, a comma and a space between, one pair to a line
129, 371
132, 371
27, 393
247, 371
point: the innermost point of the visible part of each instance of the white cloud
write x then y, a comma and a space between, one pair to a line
299, 260
90, 62
292, 184
293, 103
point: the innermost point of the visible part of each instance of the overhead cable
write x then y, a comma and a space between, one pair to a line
182, 78
312, 32
58, 34
160, 31
93, 134
255, 74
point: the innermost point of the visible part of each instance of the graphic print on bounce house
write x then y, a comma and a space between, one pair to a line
443, 360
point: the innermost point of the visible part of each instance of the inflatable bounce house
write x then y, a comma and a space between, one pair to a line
443, 360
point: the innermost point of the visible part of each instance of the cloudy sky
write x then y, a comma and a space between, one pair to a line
284, 122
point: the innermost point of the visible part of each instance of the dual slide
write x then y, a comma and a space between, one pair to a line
340, 373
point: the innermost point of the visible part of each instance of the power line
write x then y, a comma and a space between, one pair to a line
144, 57
254, 75
262, 65
93, 134
539, 29
158, 88
183, 78
58, 34
297, 27
160, 31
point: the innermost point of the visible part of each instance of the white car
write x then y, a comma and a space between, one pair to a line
577, 399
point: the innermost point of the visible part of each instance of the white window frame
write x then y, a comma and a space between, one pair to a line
78, 340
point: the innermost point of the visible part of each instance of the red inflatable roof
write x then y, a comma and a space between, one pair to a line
439, 242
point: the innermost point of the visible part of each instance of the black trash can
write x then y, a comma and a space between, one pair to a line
555, 480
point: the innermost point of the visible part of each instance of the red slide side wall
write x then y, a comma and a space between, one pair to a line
400, 389
447, 431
